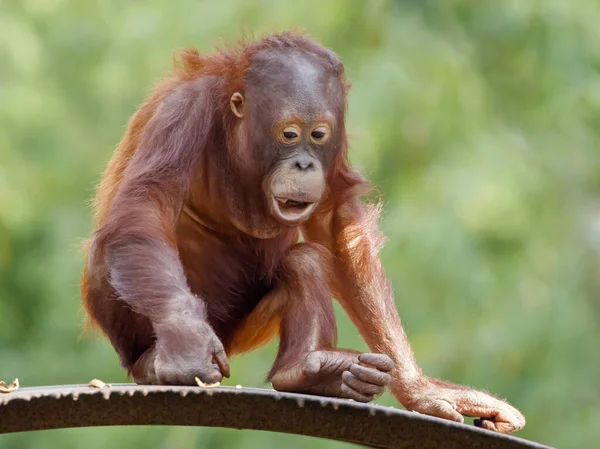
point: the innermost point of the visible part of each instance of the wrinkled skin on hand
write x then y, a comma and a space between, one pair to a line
345, 374
188, 350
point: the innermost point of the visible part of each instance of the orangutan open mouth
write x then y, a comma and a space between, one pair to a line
291, 210
285, 204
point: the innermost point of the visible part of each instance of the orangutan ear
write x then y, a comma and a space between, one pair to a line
237, 104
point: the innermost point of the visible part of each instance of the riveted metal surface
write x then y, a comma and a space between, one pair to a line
57, 407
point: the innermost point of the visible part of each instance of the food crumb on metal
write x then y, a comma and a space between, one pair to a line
97, 383
14, 386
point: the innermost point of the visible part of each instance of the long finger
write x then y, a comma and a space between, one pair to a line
496, 414
502, 422
485, 424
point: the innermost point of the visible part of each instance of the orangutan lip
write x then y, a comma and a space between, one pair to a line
291, 211
293, 203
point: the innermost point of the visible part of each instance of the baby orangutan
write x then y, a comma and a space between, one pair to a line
196, 255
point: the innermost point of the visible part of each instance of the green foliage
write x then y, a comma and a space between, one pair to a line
479, 121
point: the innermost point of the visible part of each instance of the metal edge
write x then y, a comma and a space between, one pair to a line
70, 406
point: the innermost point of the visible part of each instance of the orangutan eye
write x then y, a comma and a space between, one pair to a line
320, 133
290, 134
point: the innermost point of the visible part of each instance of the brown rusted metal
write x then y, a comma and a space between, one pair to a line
70, 406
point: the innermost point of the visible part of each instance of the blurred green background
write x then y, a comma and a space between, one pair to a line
479, 121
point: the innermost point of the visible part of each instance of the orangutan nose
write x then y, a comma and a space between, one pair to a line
304, 162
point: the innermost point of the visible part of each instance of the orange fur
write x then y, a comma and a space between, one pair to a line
188, 262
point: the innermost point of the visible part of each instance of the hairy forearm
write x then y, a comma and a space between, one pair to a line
146, 273
367, 296
139, 232
144, 268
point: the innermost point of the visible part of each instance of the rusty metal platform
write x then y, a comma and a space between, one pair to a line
58, 407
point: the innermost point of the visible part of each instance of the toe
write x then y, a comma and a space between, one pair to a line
380, 361
350, 393
370, 375
361, 387
211, 377
313, 364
